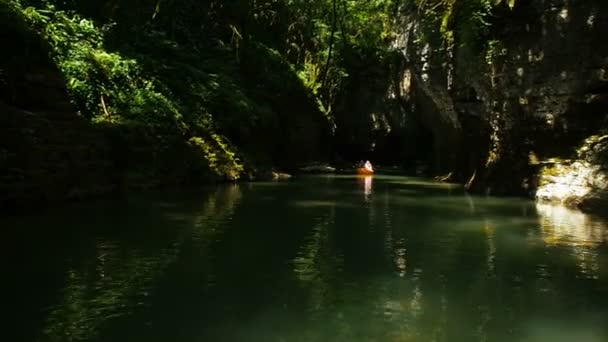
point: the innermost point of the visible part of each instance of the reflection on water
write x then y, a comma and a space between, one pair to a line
399, 253
490, 231
581, 232
113, 286
117, 280
367, 186
322, 259
561, 225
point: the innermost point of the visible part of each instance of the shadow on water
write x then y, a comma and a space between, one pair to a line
339, 258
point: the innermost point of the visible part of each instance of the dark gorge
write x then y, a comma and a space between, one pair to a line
492, 94
196, 170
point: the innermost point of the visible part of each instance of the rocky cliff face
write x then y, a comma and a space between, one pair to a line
539, 90
581, 182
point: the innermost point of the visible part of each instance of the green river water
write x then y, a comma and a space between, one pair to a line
327, 258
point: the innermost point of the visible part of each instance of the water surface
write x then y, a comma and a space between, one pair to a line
328, 258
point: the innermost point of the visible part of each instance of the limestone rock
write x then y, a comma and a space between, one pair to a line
582, 183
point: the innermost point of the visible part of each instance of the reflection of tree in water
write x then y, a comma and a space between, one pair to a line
315, 262
218, 208
111, 286
118, 280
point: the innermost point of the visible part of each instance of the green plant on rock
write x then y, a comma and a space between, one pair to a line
463, 29
495, 49
466, 23
218, 156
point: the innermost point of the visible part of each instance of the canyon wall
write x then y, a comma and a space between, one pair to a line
532, 92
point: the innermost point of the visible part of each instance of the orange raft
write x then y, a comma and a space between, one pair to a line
364, 171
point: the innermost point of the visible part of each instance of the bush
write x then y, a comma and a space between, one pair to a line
109, 88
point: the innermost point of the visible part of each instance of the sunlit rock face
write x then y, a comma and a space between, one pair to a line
543, 89
581, 183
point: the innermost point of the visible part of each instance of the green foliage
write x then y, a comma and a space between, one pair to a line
218, 155
311, 77
310, 74
323, 38
472, 23
102, 84
109, 87
254, 71
468, 21
494, 50
464, 25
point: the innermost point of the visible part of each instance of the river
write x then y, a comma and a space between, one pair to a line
319, 258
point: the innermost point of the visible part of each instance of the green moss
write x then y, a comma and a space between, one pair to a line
217, 155
553, 171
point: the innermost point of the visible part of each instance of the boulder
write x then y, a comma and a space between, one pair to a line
582, 183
